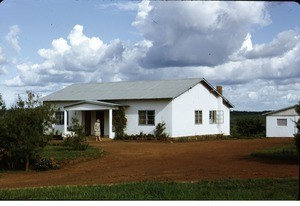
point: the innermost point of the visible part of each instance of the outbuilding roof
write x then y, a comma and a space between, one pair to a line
287, 111
160, 89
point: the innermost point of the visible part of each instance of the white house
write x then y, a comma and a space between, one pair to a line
188, 106
281, 123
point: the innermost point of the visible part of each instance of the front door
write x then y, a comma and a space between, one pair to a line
100, 116
87, 120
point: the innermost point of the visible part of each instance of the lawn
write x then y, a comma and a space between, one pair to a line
55, 156
63, 153
229, 189
284, 152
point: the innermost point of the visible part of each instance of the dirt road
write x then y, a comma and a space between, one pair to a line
142, 161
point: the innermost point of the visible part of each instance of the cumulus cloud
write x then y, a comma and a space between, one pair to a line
125, 6
284, 42
241, 68
13, 38
196, 33
181, 40
80, 59
3, 61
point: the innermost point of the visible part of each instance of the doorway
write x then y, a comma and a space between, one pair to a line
100, 116
87, 120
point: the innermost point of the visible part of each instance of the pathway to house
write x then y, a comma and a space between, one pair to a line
142, 161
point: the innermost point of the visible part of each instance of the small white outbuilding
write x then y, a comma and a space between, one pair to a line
281, 123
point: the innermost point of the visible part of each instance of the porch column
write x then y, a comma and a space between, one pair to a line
110, 133
65, 121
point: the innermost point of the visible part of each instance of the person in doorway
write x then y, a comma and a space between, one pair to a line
97, 130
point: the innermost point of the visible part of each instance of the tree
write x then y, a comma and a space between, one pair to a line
2, 106
22, 130
249, 127
297, 143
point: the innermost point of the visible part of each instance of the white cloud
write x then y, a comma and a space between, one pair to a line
81, 59
3, 61
283, 64
196, 33
13, 38
124, 6
247, 44
181, 40
260, 95
284, 42
252, 95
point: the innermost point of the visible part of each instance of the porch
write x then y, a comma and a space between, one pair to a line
87, 112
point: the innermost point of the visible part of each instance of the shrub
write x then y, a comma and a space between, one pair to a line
22, 130
120, 121
44, 164
250, 127
77, 140
200, 138
160, 131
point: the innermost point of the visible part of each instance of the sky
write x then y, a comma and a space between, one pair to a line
252, 49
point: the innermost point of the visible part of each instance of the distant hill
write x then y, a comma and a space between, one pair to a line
247, 113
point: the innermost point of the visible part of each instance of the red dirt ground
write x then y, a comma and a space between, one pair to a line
158, 161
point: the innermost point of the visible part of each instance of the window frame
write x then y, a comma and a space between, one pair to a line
59, 117
216, 117
198, 117
282, 120
149, 119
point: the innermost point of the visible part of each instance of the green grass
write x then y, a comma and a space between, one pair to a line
61, 153
284, 152
247, 189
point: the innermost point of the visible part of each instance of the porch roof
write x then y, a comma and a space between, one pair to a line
92, 105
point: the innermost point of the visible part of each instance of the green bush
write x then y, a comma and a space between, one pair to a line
141, 136
250, 127
200, 138
120, 122
160, 131
44, 164
22, 129
77, 140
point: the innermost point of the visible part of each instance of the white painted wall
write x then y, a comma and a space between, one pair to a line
178, 114
183, 114
163, 113
273, 130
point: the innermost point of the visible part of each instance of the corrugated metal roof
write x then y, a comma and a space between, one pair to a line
161, 89
288, 111
123, 90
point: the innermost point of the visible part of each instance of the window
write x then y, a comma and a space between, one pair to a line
147, 117
281, 122
198, 117
216, 117
59, 116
